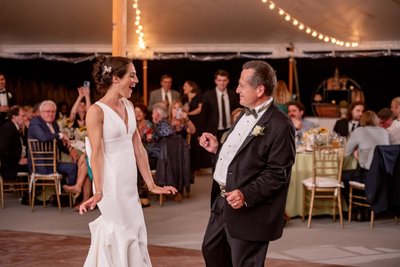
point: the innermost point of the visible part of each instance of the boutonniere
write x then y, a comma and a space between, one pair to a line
258, 130
9, 95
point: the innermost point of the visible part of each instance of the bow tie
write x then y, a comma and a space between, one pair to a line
3, 92
249, 112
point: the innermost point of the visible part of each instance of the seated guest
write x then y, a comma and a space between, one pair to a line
180, 120
162, 128
296, 112
362, 143
282, 96
394, 129
80, 107
12, 152
344, 127
385, 116
83, 182
45, 128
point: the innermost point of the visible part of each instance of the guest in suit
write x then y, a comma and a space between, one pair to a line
12, 151
251, 176
218, 105
45, 128
164, 94
344, 127
6, 99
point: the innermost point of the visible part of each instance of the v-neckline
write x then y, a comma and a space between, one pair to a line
126, 124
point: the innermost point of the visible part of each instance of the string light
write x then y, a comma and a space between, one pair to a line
138, 25
301, 26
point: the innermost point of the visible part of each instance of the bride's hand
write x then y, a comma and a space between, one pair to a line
90, 203
163, 190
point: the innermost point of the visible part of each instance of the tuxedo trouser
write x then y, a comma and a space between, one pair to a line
220, 249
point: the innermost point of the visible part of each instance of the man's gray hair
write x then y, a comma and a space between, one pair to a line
161, 109
46, 103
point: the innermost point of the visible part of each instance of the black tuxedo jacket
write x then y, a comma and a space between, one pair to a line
10, 102
261, 170
209, 110
342, 127
10, 150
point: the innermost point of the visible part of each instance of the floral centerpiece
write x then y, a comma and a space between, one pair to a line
316, 136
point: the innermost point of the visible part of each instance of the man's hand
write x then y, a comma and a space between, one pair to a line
23, 161
235, 198
74, 155
209, 142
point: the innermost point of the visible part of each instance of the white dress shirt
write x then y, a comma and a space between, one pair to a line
168, 94
3, 99
394, 132
235, 139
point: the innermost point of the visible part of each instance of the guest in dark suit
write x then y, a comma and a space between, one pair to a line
6, 99
218, 105
251, 176
345, 126
12, 152
164, 94
45, 128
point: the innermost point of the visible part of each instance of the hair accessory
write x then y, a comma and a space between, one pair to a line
106, 69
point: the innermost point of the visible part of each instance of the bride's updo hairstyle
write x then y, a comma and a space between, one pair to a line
107, 67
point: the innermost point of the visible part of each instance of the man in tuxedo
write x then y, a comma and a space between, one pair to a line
218, 105
164, 94
45, 128
6, 99
251, 176
12, 151
345, 126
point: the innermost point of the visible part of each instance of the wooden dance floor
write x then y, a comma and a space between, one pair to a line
45, 250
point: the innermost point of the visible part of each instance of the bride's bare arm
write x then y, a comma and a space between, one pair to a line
142, 162
94, 124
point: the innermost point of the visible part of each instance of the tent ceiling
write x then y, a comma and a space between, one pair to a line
188, 26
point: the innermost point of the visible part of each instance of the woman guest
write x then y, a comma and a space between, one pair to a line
361, 144
119, 234
80, 107
282, 96
180, 120
192, 102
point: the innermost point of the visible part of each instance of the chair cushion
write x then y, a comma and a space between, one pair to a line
322, 182
357, 184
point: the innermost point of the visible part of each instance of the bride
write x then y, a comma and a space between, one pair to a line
119, 235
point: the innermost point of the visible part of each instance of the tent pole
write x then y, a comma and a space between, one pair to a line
119, 29
290, 80
145, 81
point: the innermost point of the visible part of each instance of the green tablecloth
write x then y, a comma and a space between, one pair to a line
301, 170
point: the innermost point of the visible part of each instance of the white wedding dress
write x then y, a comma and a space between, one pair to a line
119, 237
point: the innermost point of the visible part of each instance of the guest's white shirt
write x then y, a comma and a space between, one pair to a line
235, 139
394, 132
3, 98
168, 94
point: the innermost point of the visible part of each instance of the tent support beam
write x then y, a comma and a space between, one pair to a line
119, 30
